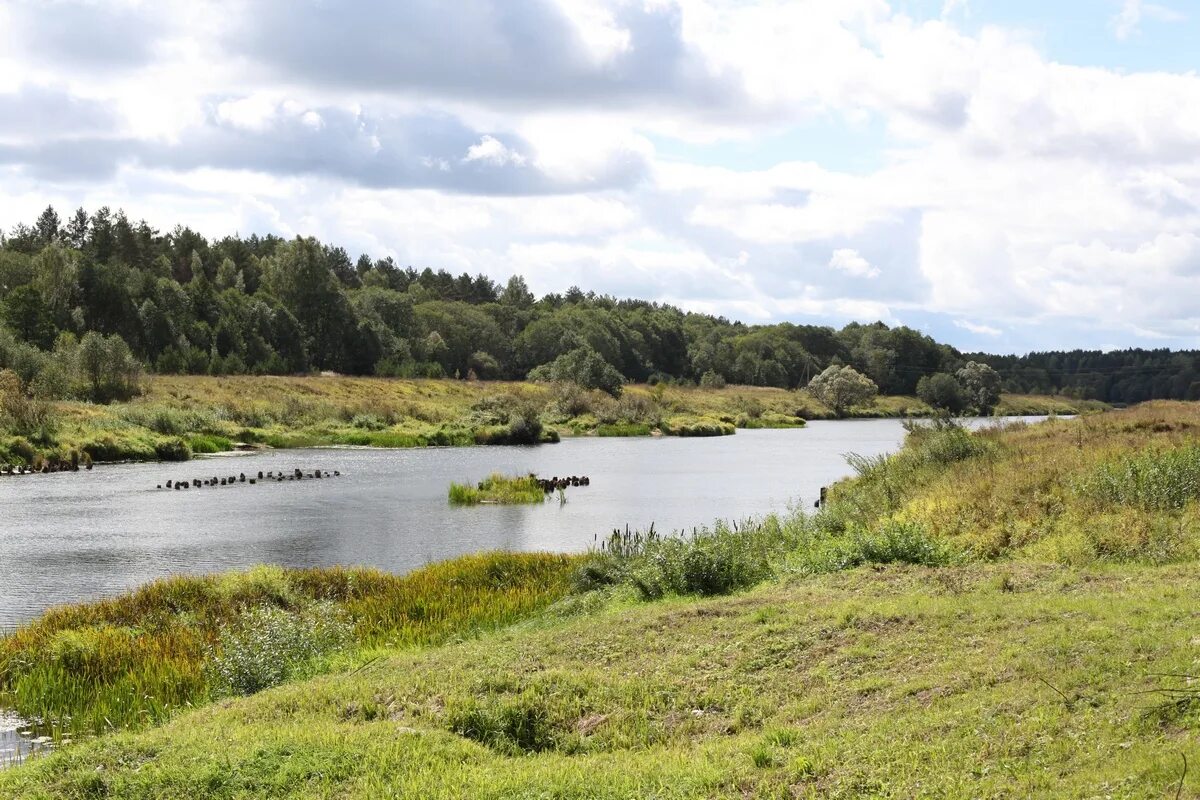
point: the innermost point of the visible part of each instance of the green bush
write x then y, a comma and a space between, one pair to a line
697, 426
173, 450
268, 645
209, 443
584, 367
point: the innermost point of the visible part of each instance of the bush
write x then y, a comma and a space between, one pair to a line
497, 488
712, 380
25, 415
841, 387
524, 425
511, 725
173, 450
584, 367
942, 390
268, 645
208, 443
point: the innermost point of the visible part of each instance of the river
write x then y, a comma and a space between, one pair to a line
77, 536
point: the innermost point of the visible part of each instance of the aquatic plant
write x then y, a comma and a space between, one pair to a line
499, 489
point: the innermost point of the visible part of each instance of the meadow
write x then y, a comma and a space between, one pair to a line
178, 417
1005, 613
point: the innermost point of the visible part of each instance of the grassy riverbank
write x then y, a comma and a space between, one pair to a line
179, 417
138, 658
997, 614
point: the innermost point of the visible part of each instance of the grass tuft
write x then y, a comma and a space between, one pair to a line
498, 489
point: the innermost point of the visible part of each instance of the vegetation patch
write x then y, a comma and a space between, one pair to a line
1153, 479
769, 420
624, 429
697, 426
498, 489
136, 659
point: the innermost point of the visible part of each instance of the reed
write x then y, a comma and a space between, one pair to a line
137, 658
498, 489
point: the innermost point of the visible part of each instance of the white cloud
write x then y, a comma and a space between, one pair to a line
1126, 22
493, 151
688, 150
850, 262
975, 327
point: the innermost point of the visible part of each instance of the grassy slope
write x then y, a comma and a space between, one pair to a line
1028, 497
212, 413
896, 682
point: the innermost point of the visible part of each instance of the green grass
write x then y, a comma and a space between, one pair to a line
769, 420
687, 425
624, 429
138, 658
978, 681
499, 489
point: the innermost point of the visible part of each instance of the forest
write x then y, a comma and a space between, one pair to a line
124, 297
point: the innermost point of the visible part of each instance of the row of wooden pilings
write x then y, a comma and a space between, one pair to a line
241, 477
550, 484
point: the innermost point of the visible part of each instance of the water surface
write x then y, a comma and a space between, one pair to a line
76, 536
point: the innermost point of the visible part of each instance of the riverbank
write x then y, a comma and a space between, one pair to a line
182, 416
986, 614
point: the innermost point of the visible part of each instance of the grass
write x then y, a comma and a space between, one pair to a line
498, 489
211, 414
891, 683
1116, 486
138, 658
687, 425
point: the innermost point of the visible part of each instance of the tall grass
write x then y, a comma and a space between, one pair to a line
1154, 479
500, 489
134, 659
697, 426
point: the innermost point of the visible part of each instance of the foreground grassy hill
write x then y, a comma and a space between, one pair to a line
183, 415
1009, 613
984, 681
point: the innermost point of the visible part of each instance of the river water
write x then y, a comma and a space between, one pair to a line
77, 536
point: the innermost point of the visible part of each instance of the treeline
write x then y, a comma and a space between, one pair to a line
1118, 376
185, 304
265, 305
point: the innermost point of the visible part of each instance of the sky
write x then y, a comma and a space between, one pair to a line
1005, 175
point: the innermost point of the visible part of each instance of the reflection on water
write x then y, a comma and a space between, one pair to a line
74, 536
17, 741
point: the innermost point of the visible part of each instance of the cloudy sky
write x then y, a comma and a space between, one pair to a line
1006, 175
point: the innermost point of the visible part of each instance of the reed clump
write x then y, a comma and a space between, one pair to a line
498, 489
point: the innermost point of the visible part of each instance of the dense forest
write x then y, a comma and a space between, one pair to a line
128, 295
